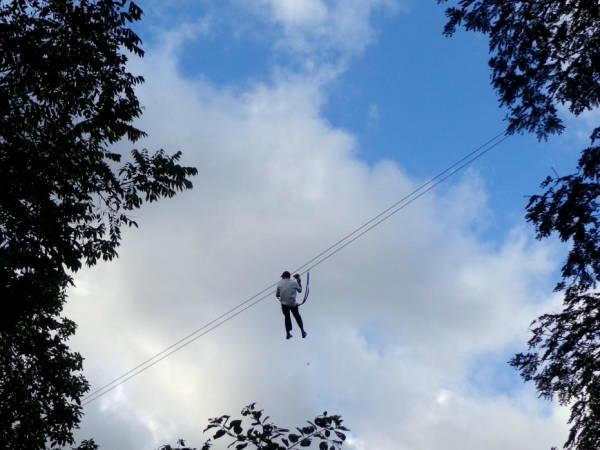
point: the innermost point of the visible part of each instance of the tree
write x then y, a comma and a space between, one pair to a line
66, 97
546, 55
326, 431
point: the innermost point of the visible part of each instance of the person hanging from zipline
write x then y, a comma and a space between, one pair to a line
286, 293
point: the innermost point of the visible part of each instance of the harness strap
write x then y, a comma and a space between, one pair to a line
306, 289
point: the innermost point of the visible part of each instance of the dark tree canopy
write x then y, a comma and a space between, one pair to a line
66, 96
543, 54
40, 379
254, 430
565, 363
546, 55
564, 356
569, 207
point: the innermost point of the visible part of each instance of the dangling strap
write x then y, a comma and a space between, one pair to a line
306, 289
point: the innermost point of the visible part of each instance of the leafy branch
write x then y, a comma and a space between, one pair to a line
254, 430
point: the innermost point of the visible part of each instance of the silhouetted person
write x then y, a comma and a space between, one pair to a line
287, 289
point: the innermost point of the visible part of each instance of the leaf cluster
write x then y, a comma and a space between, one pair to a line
564, 351
564, 362
546, 55
67, 101
543, 54
254, 430
569, 209
67, 97
40, 382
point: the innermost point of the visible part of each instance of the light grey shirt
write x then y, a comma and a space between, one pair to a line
287, 288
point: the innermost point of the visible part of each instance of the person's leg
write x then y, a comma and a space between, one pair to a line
296, 313
288, 320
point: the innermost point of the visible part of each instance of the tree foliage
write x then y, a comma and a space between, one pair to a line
545, 55
40, 379
564, 356
66, 99
254, 430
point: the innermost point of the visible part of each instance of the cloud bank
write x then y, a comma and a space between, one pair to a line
310, 26
399, 322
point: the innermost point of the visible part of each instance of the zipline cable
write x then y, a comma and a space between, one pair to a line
422, 186
300, 268
442, 176
384, 218
350, 238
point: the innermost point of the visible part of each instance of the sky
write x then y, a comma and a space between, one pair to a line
305, 118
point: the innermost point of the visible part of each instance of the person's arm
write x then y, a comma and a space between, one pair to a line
277, 292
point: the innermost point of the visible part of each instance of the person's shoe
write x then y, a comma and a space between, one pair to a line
288, 336
304, 334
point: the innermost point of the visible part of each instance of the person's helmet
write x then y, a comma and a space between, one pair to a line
285, 274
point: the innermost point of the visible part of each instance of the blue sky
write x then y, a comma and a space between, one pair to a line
412, 95
304, 119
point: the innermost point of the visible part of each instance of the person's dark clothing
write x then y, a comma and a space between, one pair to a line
288, 320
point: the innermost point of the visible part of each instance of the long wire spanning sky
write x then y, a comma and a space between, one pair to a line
305, 118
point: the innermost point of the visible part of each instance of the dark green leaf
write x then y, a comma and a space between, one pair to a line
219, 434
341, 435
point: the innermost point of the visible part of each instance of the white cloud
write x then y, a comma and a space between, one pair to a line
579, 128
294, 12
586, 123
394, 320
373, 115
310, 27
